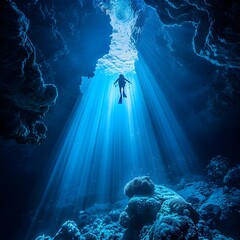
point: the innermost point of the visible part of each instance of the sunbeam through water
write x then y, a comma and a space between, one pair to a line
105, 143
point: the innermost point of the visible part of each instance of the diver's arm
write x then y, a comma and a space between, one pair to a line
127, 80
115, 81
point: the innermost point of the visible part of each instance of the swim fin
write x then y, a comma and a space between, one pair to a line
120, 100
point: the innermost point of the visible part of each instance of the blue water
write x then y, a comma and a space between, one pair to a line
105, 144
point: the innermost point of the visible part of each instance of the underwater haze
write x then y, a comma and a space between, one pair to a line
120, 120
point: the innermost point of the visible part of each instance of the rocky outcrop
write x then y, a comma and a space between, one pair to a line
216, 200
161, 214
158, 213
217, 168
216, 36
25, 98
40, 40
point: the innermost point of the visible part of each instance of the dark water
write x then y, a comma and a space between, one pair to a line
180, 111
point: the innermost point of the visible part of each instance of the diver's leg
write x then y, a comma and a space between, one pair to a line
120, 100
121, 90
124, 95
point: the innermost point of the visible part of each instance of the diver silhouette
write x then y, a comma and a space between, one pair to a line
121, 83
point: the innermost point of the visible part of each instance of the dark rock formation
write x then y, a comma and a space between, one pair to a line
225, 91
216, 36
40, 40
115, 214
171, 227
232, 178
25, 98
42, 15
59, 36
68, 231
162, 215
221, 212
43, 237
139, 212
217, 206
217, 168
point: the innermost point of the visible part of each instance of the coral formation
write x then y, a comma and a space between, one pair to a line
43, 237
232, 178
217, 168
139, 211
139, 186
68, 231
162, 215
170, 227
217, 205
115, 214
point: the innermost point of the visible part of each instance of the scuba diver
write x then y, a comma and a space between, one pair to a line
121, 83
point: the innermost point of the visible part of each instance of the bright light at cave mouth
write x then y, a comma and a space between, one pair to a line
123, 53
